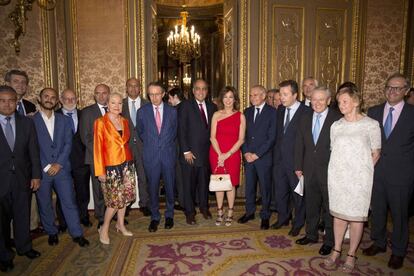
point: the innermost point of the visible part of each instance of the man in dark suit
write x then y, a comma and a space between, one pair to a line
288, 118
19, 172
257, 153
80, 171
308, 84
394, 174
157, 129
86, 124
194, 118
54, 133
130, 106
312, 152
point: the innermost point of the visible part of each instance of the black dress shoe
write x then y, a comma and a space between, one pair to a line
264, 225
294, 232
178, 207
100, 223
321, 227
53, 240
279, 224
373, 250
81, 241
190, 219
395, 262
62, 228
6, 266
86, 222
325, 250
169, 223
153, 227
31, 254
245, 218
206, 214
145, 211
305, 240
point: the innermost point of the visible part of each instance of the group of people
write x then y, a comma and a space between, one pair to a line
349, 162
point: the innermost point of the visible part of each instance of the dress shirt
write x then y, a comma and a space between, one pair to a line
260, 107
137, 104
292, 112
22, 105
74, 116
395, 114
160, 109
3, 122
102, 109
50, 125
308, 102
204, 107
321, 119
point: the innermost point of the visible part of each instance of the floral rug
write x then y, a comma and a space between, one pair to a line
203, 249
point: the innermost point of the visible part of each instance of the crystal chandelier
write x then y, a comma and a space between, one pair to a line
183, 45
187, 80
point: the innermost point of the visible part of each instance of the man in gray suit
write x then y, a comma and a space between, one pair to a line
130, 106
86, 124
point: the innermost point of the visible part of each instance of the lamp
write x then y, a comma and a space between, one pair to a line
187, 80
183, 45
18, 17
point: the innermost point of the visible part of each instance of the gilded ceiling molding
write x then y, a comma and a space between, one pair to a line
47, 65
76, 73
263, 42
243, 55
404, 36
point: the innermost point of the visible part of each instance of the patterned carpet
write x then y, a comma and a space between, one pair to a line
204, 249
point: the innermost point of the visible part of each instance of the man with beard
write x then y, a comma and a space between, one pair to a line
54, 133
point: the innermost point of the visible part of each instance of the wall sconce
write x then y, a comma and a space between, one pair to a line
18, 17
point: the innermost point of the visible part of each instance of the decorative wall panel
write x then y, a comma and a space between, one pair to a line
228, 47
61, 47
287, 44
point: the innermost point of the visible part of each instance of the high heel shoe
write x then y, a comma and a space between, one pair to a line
329, 261
102, 240
219, 219
124, 232
229, 219
347, 267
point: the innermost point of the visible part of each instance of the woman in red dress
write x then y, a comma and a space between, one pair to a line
228, 126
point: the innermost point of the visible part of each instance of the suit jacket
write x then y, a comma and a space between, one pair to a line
192, 134
158, 147
135, 144
309, 157
285, 142
24, 161
77, 155
260, 134
397, 152
56, 150
29, 106
109, 147
86, 124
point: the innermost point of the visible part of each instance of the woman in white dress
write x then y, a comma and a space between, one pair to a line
355, 146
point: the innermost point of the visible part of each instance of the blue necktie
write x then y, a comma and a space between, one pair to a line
287, 120
388, 123
9, 133
316, 129
134, 114
20, 109
72, 123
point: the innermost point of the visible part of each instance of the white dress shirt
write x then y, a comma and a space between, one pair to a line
74, 116
204, 108
292, 112
102, 109
50, 125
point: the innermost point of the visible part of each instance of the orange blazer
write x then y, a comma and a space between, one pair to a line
109, 148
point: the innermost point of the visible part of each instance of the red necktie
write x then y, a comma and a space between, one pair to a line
158, 119
203, 115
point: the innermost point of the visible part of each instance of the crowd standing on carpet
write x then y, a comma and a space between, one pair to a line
351, 163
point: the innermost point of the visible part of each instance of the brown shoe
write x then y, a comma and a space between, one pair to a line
206, 214
373, 250
190, 219
395, 262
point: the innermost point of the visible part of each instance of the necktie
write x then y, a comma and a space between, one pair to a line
20, 108
316, 129
257, 114
72, 123
158, 119
388, 123
287, 120
9, 133
105, 109
203, 115
134, 113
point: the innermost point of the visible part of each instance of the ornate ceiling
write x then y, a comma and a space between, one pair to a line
189, 3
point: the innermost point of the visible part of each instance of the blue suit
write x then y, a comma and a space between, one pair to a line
159, 155
259, 139
56, 151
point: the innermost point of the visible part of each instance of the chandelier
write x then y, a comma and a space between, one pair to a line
186, 80
183, 45
18, 17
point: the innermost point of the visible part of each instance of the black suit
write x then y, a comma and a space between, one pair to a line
135, 144
194, 136
283, 167
80, 173
393, 180
29, 107
17, 168
313, 161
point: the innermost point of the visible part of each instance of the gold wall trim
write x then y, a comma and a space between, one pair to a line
76, 73
404, 36
243, 56
127, 39
358, 42
263, 42
141, 38
47, 67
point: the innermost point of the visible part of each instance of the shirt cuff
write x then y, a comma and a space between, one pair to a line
187, 152
45, 169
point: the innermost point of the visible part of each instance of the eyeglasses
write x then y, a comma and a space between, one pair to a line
394, 88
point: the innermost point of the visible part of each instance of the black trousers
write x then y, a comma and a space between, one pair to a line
195, 179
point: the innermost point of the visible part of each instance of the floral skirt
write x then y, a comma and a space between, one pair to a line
119, 189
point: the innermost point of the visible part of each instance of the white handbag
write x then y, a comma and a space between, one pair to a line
220, 182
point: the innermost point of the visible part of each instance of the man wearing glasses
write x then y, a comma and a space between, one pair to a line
394, 175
